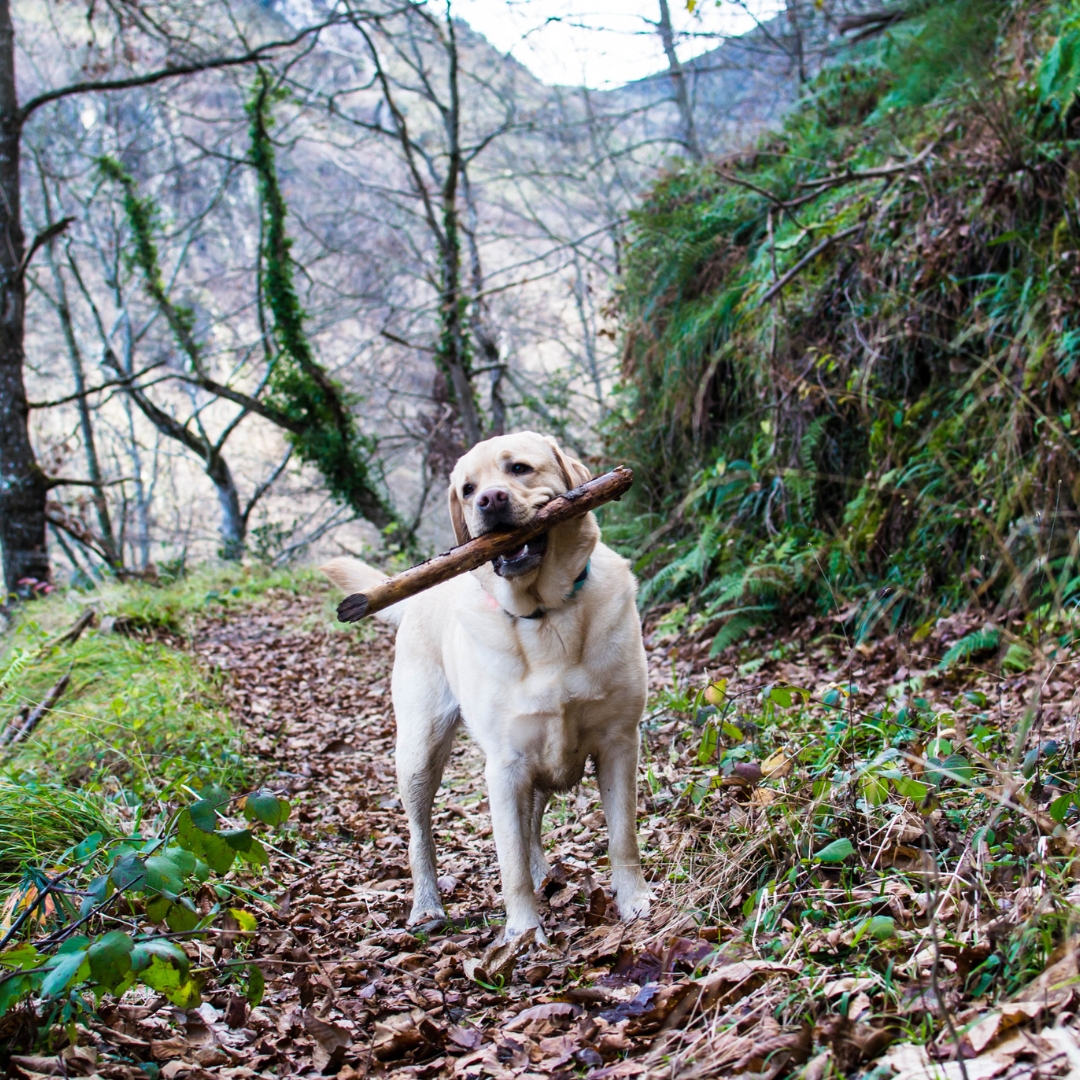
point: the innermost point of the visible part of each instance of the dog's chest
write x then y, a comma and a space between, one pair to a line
551, 721
549, 706
548, 693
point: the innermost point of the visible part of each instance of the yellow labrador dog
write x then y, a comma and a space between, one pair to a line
539, 655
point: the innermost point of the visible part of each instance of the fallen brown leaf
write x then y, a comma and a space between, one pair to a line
495, 966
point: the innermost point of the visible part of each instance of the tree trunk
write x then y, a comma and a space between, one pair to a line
86, 425
233, 520
454, 347
588, 337
23, 485
480, 322
233, 526
678, 82
141, 543
797, 50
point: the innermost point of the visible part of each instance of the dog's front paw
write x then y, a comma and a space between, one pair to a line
634, 902
426, 910
512, 933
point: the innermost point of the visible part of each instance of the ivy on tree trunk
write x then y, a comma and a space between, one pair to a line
302, 398
314, 407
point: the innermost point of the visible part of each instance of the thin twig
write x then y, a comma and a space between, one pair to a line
17, 732
808, 258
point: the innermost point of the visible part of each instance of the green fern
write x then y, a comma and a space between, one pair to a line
739, 625
977, 643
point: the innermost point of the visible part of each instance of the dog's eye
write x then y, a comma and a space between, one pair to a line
519, 468
468, 489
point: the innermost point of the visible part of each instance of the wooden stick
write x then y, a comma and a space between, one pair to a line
468, 556
23, 725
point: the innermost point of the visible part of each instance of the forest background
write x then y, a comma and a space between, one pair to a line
308, 257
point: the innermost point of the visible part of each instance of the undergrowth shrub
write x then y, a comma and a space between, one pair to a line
851, 358
836, 824
122, 843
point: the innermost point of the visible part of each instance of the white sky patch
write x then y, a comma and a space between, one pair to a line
604, 43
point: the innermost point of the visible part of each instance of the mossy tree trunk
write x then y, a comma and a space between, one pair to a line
23, 485
304, 399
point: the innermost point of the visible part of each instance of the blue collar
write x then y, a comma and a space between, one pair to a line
579, 581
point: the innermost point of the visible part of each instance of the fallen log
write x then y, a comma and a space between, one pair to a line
468, 556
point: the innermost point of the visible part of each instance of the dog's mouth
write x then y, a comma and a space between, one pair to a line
522, 561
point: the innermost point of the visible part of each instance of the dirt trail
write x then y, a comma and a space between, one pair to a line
349, 988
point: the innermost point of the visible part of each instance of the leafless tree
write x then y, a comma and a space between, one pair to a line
678, 82
24, 487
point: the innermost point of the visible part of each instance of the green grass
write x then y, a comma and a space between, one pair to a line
207, 590
139, 722
39, 821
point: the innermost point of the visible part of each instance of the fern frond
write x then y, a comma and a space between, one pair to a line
970, 645
739, 625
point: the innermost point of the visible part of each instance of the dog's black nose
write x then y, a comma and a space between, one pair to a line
492, 500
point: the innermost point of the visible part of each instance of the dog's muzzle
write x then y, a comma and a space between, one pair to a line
523, 561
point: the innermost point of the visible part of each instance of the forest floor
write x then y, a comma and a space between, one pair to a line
813, 911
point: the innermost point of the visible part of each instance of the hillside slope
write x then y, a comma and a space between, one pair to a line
850, 358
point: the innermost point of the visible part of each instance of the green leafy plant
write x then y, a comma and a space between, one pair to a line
881, 425
979, 642
77, 927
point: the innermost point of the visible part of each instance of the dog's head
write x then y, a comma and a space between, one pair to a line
502, 483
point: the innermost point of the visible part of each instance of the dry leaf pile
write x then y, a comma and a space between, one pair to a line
820, 972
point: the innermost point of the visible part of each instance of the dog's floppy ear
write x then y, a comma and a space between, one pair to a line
574, 472
457, 516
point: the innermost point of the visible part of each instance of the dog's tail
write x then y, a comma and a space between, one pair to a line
355, 576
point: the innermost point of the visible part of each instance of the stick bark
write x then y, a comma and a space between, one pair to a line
611, 486
22, 727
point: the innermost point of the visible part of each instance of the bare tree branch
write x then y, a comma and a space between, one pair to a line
170, 71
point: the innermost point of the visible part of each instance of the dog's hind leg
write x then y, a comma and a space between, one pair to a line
537, 860
425, 737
